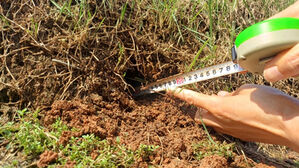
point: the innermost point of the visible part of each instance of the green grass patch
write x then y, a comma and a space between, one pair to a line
27, 135
208, 148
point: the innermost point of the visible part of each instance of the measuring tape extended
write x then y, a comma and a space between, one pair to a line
253, 47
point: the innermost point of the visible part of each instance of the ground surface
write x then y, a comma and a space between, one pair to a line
79, 61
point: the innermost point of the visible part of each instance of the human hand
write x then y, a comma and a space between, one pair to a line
251, 113
291, 11
285, 64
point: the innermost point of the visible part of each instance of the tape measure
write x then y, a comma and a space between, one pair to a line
253, 47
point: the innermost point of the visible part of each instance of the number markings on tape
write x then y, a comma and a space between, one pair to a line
193, 77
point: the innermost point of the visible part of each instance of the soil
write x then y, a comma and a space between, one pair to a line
84, 78
155, 120
46, 158
162, 124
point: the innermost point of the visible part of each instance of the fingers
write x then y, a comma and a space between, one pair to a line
201, 100
209, 122
202, 115
291, 11
284, 65
205, 103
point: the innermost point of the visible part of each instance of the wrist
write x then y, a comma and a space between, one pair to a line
293, 142
292, 126
292, 136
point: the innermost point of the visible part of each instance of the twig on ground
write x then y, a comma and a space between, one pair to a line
67, 86
14, 51
42, 45
67, 64
10, 73
161, 161
33, 3
95, 57
126, 84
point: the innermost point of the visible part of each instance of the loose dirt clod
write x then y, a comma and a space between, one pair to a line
213, 161
46, 158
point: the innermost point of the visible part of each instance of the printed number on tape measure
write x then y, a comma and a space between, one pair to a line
196, 76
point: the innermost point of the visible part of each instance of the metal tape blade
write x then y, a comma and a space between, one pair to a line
211, 72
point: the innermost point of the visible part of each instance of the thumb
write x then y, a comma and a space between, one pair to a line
201, 100
284, 65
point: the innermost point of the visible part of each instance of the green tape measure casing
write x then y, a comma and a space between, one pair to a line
265, 27
261, 41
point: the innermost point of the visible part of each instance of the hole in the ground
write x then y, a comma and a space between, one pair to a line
4, 98
134, 78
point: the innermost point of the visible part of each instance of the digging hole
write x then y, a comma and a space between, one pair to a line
134, 78
4, 98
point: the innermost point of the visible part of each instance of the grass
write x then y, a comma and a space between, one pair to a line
210, 5
122, 15
80, 13
181, 19
209, 147
29, 136
32, 139
197, 56
65, 8
206, 148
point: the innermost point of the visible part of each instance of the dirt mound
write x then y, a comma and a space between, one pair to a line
168, 125
143, 122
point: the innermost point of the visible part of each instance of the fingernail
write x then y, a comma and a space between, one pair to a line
272, 74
